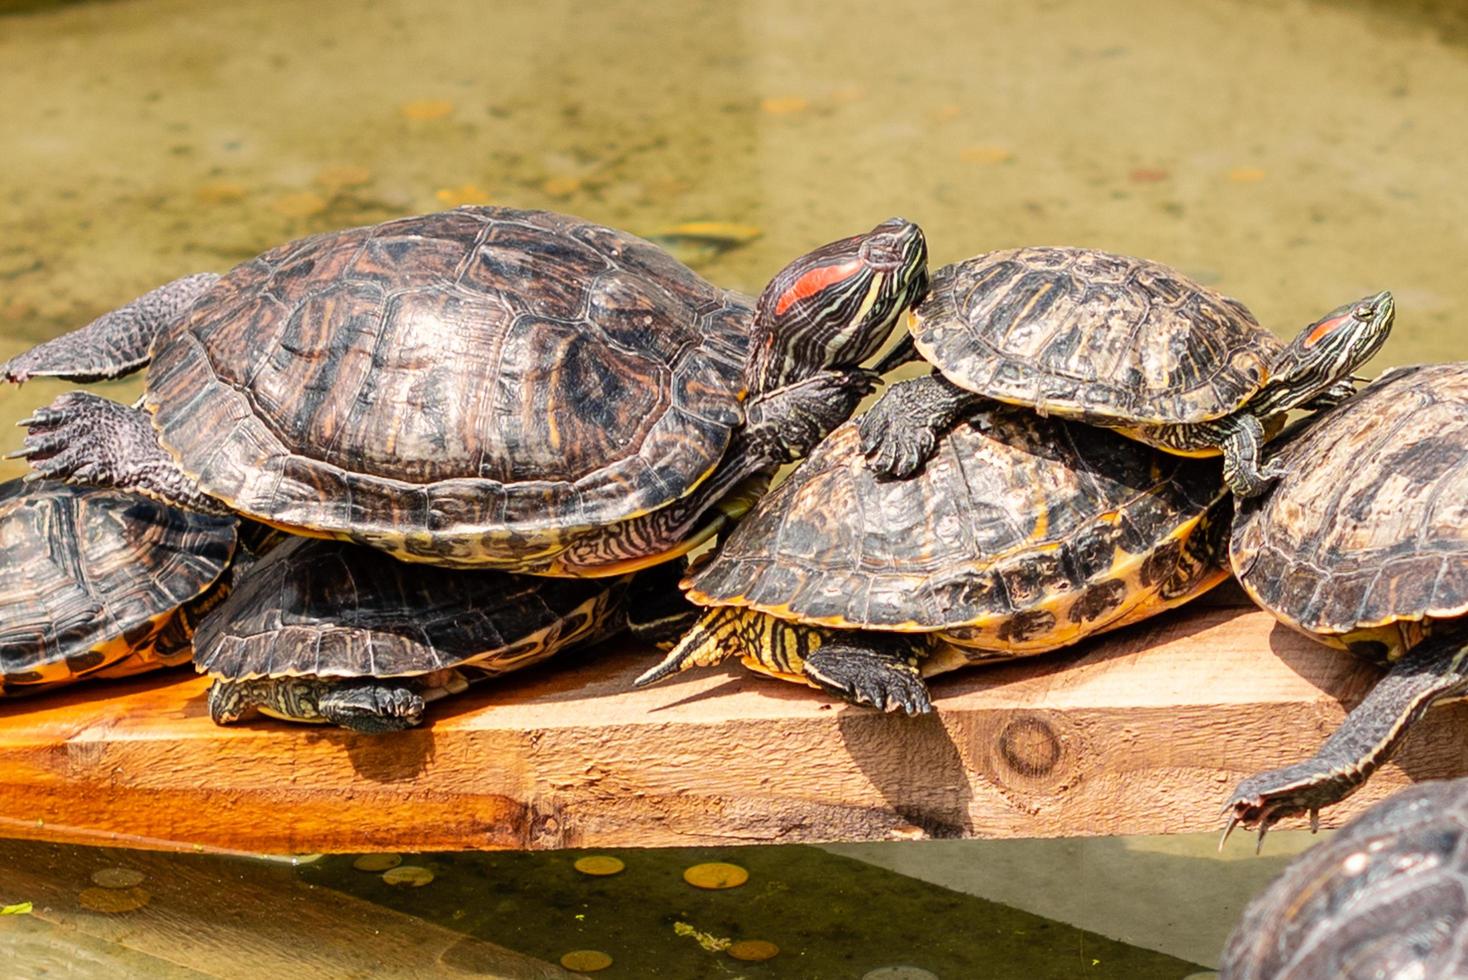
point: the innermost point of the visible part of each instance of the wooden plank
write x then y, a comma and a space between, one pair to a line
1143, 732
240, 920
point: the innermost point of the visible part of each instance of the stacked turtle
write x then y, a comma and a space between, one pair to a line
942, 530
96, 583
484, 388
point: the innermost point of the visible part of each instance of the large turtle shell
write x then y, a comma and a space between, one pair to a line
1369, 524
482, 370
1386, 896
88, 577
1088, 334
1016, 519
333, 609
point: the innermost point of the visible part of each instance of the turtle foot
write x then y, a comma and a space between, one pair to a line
82, 438
901, 431
371, 708
1263, 800
885, 683
786, 424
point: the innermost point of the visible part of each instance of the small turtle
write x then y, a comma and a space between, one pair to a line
97, 583
1386, 896
1363, 544
328, 631
1119, 342
483, 387
1021, 535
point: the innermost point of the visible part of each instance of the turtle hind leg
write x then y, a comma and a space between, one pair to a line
1435, 670
85, 439
114, 344
901, 431
870, 670
373, 707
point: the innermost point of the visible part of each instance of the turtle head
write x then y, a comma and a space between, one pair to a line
1329, 350
835, 307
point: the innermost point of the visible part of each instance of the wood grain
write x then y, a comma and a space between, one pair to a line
1142, 732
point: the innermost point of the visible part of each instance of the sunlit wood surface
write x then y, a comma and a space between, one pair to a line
1143, 732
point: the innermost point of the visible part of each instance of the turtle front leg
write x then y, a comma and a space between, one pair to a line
871, 669
368, 706
859, 667
785, 424
85, 439
1435, 670
114, 344
901, 431
1241, 437
1332, 396
372, 707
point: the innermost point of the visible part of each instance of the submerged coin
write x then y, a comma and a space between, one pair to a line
599, 864
117, 877
586, 960
377, 862
753, 950
113, 899
409, 875
716, 874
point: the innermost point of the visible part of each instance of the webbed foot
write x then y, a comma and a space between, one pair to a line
86, 439
901, 431
371, 708
879, 676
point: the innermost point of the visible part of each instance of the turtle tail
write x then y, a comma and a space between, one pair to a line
712, 639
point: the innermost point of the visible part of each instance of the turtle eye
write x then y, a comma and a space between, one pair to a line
1364, 312
882, 251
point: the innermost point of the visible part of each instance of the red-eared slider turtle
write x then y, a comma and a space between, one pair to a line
1120, 342
1386, 896
1021, 535
328, 631
481, 387
96, 583
1363, 544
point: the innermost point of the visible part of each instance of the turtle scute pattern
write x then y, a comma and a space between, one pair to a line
484, 366
1390, 467
331, 609
1012, 512
87, 577
1092, 334
1387, 896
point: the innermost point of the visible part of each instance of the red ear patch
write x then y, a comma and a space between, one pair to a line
814, 281
1324, 328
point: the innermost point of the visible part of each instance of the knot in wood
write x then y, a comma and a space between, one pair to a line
1029, 746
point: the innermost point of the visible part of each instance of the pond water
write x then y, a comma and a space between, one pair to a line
1297, 155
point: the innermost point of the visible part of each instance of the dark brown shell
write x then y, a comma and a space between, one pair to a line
82, 569
1369, 525
483, 369
334, 609
1088, 334
1386, 896
1011, 514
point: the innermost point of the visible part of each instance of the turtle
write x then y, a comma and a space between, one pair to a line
1021, 535
483, 387
1115, 341
335, 632
1363, 544
99, 583
1386, 896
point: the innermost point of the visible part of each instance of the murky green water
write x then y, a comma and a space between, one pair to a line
1295, 154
